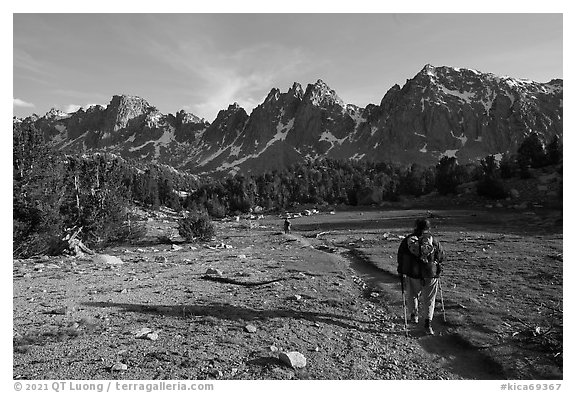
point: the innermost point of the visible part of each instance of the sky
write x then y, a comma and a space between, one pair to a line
203, 62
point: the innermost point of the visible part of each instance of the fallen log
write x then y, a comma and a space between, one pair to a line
71, 244
237, 282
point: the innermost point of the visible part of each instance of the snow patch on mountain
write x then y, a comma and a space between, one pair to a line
462, 137
449, 153
133, 149
465, 96
235, 151
281, 132
329, 137
164, 140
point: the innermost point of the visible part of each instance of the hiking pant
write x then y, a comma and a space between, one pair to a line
422, 297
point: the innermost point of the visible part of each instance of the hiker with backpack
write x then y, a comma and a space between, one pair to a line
287, 225
420, 257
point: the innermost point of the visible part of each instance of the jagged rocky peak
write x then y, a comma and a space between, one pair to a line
296, 90
124, 108
183, 117
320, 93
233, 110
235, 107
273, 95
54, 114
390, 96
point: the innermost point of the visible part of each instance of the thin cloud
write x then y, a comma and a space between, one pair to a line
243, 76
70, 108
21, 103
24, 61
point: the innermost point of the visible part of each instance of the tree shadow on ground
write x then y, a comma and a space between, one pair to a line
240, 313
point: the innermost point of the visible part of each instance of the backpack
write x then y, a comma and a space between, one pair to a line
421, 246
419, 261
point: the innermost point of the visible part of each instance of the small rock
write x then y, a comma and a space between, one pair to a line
141, 333
193, 248
273, 348
241, 256
295, 297
161, 259
176, 247
250, 328
59, 311
119, 367
293, 359
152, 336
211, 270
108, 259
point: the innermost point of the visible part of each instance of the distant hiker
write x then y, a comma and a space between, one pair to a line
420, 258
287, 225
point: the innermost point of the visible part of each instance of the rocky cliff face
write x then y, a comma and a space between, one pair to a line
442, 111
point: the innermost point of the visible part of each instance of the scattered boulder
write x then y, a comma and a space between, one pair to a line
141, 332
211, 270
161, 259
119, 367
293, 359
176, 247
514, 193
295, 297
59, 311
152, 336
107, 259
146, 333
250, 328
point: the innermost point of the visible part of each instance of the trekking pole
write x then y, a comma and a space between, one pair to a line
404, 305
442, 299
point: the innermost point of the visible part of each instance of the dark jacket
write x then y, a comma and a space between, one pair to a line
410, 265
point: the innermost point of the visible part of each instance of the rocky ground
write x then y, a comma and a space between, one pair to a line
325, 291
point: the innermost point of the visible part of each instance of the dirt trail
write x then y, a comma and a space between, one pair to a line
453, 352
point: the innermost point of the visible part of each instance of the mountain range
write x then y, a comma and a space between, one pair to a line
442, 111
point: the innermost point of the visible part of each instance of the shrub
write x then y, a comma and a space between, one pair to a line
131, 233
196, 226
216, 209
493, 188
449, 175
